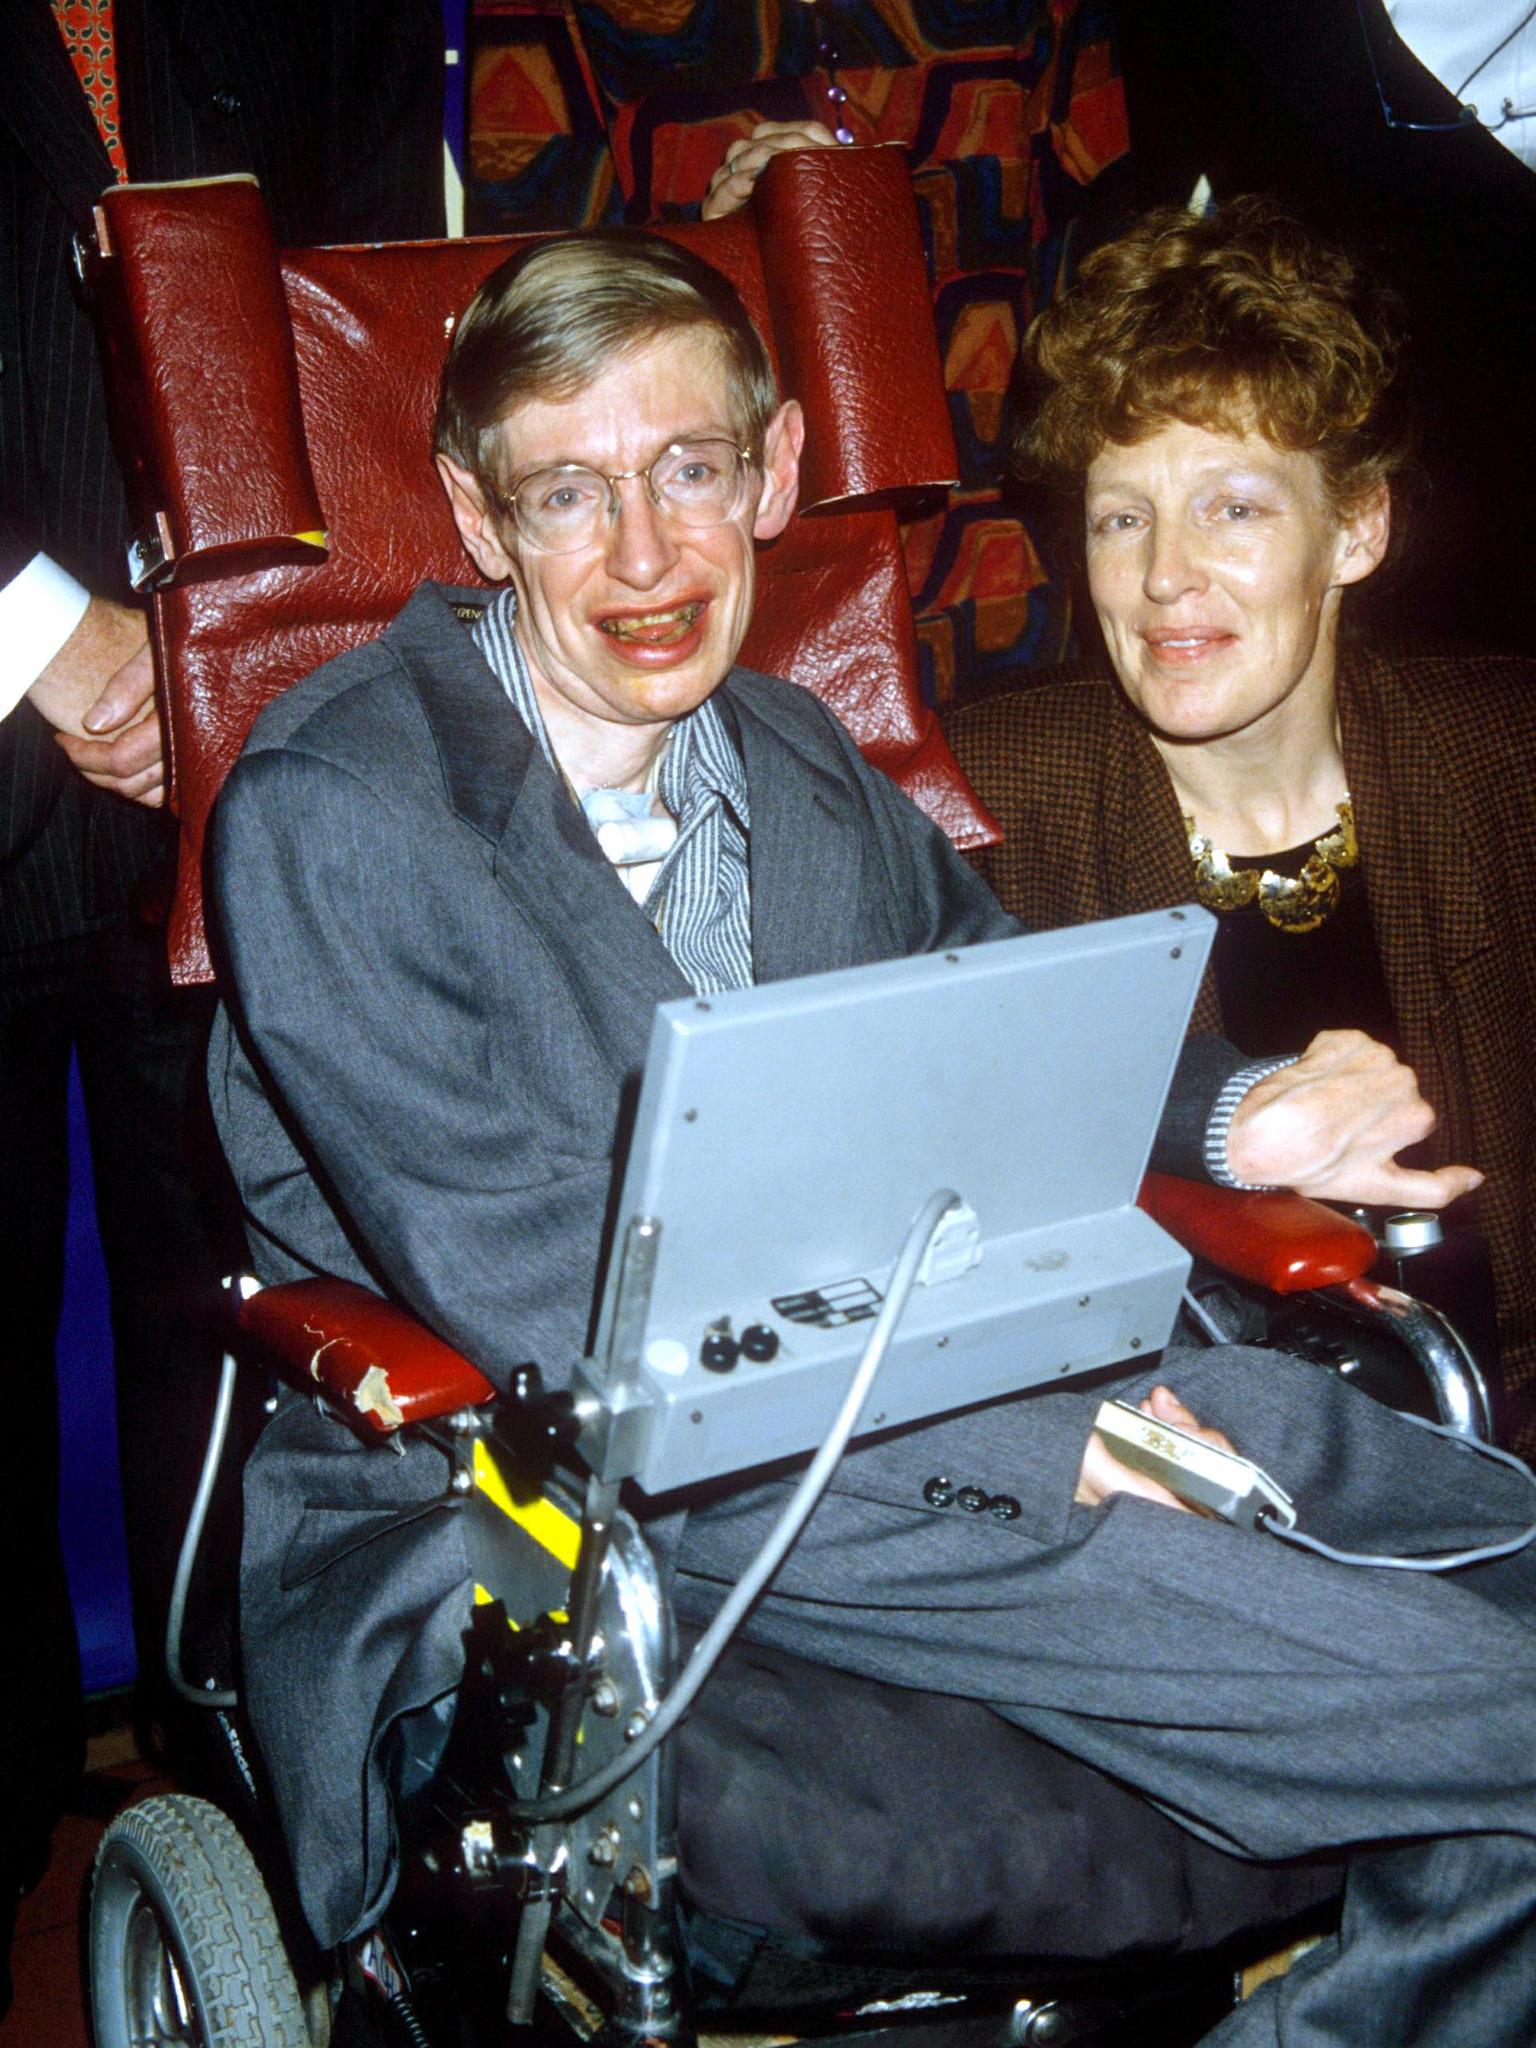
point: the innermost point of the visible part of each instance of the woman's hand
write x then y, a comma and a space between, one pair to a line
1332, 1123
731, 186
1103, 1474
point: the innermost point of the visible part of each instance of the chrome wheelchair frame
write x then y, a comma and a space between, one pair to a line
506, 1920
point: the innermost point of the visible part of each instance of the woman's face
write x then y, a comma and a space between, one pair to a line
1216, 564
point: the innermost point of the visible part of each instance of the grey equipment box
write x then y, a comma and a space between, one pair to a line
785, 1138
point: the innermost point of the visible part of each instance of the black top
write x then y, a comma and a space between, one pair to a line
1278, 989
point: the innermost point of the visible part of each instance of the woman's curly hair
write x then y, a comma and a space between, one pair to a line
1238, 321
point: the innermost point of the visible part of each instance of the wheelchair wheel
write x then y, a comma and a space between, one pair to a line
184, 1945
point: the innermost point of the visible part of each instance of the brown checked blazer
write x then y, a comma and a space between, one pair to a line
1440, 753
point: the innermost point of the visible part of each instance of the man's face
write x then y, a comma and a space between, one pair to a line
639, 625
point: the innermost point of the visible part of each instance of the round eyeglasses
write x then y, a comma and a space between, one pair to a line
568, 506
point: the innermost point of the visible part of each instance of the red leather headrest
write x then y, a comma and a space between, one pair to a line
279, 410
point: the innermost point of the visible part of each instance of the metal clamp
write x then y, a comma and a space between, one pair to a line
152, 556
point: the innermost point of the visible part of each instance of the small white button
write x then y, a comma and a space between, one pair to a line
665, 1354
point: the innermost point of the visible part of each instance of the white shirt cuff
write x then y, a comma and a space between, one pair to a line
1234, 1089
39, 609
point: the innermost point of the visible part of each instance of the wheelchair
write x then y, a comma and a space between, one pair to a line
735, 1880
676, 1898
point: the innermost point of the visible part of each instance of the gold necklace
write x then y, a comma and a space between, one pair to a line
1292, 903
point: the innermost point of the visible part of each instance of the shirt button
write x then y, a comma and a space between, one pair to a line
1005, 1507
226, 102
939, 1492
974, 1499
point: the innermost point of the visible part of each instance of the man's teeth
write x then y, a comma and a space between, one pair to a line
648, 624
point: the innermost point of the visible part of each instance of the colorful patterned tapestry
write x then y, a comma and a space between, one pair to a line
1011, 112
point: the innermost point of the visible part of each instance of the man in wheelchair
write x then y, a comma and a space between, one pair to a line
455, 872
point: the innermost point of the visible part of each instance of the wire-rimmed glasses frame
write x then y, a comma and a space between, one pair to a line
702, 480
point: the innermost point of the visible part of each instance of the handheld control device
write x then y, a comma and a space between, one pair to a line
1198, 1472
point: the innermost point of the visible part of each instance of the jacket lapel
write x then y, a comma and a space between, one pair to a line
1404, 786
543, 855
806, 859
553, 870
805, 856
1426, 869
41, 101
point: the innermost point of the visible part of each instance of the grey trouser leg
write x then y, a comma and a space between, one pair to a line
1275, 1703
1437, 1950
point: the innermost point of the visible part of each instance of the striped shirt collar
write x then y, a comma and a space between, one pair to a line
700, 899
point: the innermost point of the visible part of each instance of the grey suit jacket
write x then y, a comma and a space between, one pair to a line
440, 994
441, 989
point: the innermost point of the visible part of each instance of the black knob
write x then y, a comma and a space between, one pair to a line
760, 1343
939, 1492
719, 1351
974, 1499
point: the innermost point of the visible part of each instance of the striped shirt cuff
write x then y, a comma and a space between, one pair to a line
39, 609
1233, 1092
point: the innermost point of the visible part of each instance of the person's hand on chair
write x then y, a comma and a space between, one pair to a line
1331, 1125
98, 693
731, 186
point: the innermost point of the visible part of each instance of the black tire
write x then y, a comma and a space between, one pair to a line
184, 1944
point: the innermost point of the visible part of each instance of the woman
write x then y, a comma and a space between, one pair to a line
1224, 391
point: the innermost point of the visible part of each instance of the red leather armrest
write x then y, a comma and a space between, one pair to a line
380, 1366
1282, 1241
